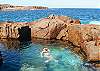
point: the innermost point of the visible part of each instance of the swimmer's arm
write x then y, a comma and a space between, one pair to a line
41, 54
48, 51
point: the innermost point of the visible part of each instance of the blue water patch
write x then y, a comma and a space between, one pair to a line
85, 15
27, 57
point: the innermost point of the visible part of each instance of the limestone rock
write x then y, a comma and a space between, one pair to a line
10, 29
47, 28
63, 35
74, 35
77, 34
92, 51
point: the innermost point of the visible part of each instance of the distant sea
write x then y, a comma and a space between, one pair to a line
85, 15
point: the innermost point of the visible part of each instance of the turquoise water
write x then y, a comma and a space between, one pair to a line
27, 57
85, 15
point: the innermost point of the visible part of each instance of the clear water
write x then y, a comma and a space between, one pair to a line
26, 57
85, 15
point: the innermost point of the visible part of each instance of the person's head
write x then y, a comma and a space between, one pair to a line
45, 49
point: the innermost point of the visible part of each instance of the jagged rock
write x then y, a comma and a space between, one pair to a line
88, 38
63, 35
47, 28
92, 51
74, 35
77, 34
10, 29
98, 40
98, 43
64, 18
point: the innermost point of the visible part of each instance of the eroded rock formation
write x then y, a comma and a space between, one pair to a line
86, 37
10, 29
49, 28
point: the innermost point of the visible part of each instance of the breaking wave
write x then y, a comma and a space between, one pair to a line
95, 22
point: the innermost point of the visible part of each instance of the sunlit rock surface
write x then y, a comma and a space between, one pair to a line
10, 29
49, 28
87, 37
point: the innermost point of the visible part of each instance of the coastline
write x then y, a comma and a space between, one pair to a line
60, 28
8, 7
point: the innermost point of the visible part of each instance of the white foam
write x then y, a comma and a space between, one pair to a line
95, 22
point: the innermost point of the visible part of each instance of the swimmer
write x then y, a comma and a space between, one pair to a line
46, 54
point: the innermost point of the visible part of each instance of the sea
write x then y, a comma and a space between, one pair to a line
26, 56
85, 15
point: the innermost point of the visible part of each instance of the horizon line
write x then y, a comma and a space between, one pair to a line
52, 7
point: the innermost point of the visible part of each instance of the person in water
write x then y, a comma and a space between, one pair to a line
1, 59
46, 54
90, 65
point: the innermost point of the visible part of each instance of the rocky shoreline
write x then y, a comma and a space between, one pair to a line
8, 7
85, 37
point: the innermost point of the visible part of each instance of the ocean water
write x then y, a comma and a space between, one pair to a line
26, 56
85, 15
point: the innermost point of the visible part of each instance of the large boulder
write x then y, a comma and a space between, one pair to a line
77, 34
88, 38
49, 28
74, 35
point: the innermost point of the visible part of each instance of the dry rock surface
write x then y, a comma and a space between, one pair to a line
49, 28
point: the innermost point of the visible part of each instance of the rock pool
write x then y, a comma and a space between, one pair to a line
26, 57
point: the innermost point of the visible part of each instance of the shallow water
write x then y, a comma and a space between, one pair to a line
26, 57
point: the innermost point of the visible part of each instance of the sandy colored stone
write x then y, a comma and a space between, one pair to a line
47, 29
63, 35
77, 34
10, 29
74, 35
92, 51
